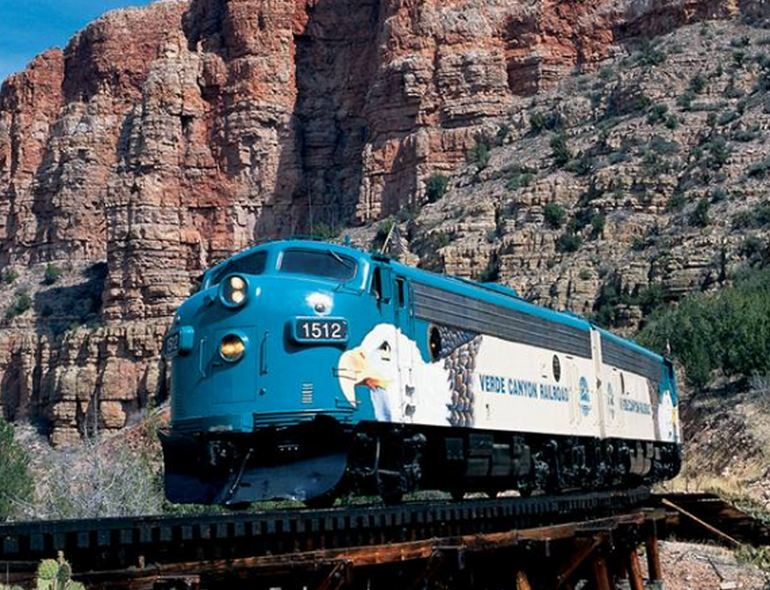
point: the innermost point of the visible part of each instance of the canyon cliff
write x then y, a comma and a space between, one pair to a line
162, 139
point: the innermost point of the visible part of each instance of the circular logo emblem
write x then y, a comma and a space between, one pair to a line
585, 397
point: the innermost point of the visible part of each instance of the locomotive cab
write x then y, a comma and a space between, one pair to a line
248, 392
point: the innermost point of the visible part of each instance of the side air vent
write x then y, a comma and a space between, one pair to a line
307, 393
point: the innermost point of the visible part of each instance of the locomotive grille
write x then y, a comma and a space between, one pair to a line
307, 393
468, 313
623, 358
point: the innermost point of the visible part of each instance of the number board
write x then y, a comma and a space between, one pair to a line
321, 330
171, 345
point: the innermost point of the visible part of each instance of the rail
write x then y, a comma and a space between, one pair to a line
542, 542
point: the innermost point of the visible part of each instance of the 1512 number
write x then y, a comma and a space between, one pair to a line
336, 330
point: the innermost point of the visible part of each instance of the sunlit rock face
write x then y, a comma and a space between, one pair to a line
161, 139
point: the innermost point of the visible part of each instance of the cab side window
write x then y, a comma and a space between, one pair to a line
377, 283
401, 289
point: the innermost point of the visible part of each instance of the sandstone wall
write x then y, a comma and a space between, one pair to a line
162, 139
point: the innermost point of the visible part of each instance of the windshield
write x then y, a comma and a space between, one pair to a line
327, 264
253, 264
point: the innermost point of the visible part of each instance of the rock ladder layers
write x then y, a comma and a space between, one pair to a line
162, 139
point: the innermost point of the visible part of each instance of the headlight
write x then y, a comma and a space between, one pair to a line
231, 348
234, 291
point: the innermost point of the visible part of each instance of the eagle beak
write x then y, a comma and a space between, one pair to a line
355, 369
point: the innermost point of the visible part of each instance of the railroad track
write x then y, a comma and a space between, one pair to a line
705, 516
547, 541
117, 543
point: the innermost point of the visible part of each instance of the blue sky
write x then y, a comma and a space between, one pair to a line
29, 27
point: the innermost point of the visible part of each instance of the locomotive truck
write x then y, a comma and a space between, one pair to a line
306, 370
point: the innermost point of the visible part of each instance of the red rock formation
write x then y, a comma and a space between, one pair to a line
164, 138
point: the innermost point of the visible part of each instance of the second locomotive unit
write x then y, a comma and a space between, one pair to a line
307, 370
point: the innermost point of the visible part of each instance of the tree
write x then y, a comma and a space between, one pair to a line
14, 475
52, 274
728, 332
700, 216
560, 150
435, 187
103, 477
479, 155
554, 215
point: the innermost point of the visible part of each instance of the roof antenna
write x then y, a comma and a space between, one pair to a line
387, 239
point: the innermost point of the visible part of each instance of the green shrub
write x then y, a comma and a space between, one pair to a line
754, 218
728, 331
717, 152
584, 274
742, 41
718, 195
568, 243
9, 276
755, 251
758, 557
479, 155
598, 222
435, 187
650, 298
554, 215
746, 135
727, 117
441, 239
21, 303
649, 55
539, 122
700, 216
613, 294
560, 150
583, 166
382, 234
685, 100
664, 147
672, 122
502, 133
732, 91
697, 83
518, 176
17, 482
520, 181
759, 169
654, 164
676, 202
52, 274
657, 114
739, 58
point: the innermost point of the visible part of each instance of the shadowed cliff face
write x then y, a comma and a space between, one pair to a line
162, 139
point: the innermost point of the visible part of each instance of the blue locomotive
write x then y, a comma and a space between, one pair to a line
307, 370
